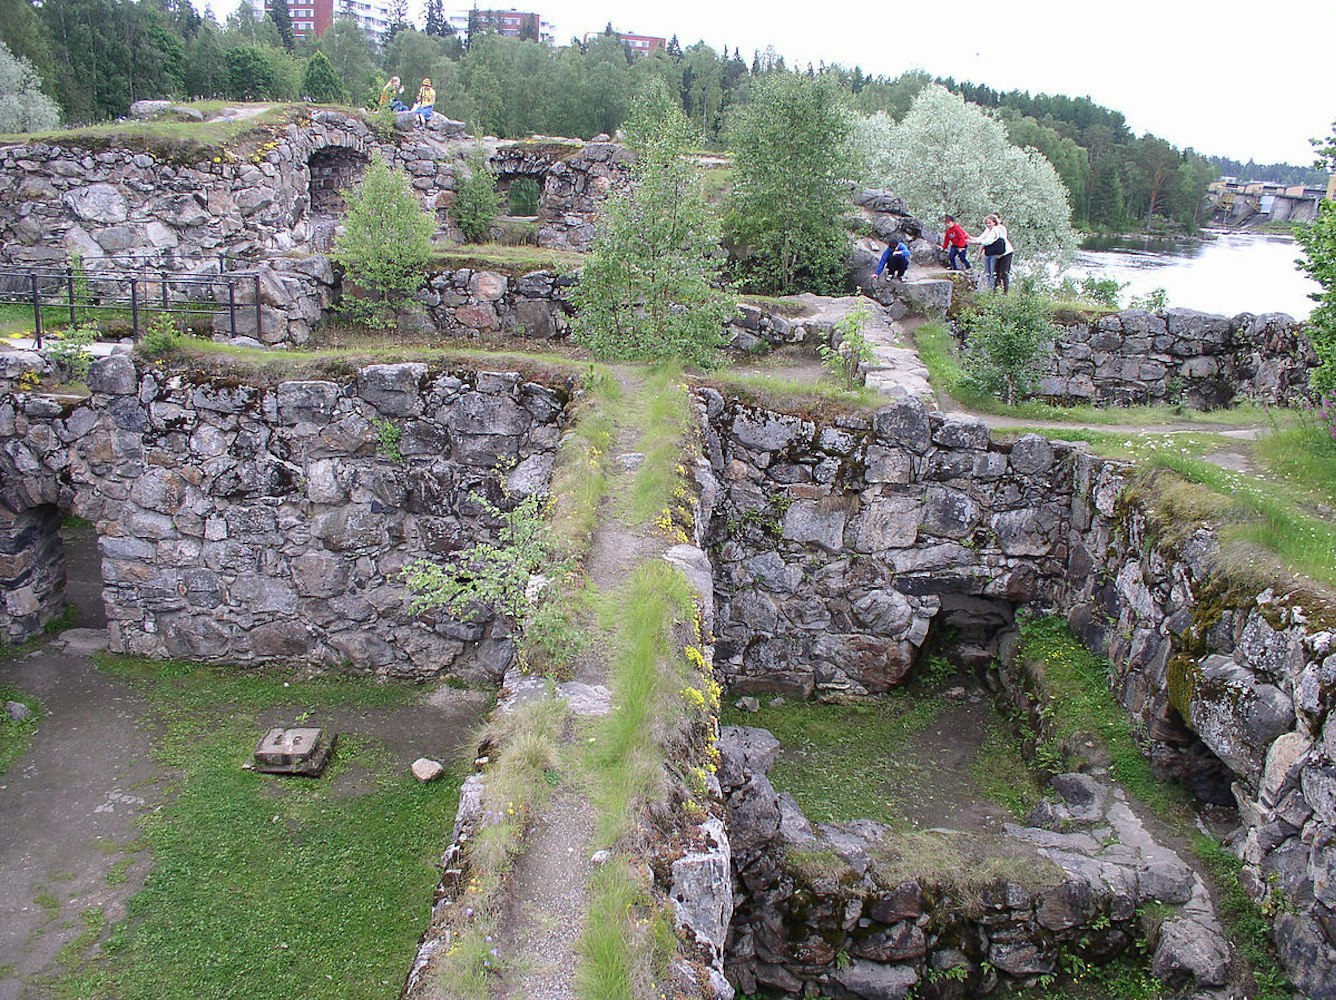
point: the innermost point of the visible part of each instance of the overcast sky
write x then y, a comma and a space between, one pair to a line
1222, 77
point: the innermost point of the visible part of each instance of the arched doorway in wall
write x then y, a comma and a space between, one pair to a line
521, 204
50, 570
333, 170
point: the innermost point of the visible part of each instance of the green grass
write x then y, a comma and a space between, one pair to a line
511, 259
260, 886
1075, 693
1302, 456
178, 140
626, 943
936, 348
1264, 514
664, 415
857, 742
815, 399
1001, 774
628, 750
16, 737
1074, 682
775, 305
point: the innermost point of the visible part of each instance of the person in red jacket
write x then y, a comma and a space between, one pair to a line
956, 239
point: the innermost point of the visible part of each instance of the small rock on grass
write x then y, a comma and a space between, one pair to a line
425, 769
17, 711
747, 704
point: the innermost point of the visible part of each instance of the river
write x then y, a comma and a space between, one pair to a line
1233, 273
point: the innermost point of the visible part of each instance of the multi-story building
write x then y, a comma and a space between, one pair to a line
315, 16
512, 23
636, 43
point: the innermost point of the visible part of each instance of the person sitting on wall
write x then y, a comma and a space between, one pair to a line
894, 262
389, 95
425, 103
955, 241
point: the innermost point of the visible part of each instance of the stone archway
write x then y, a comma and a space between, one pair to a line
333, 170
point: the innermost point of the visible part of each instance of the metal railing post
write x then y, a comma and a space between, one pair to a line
36, 312
232, 306
134, 307
257, 306
69, 285
163, 275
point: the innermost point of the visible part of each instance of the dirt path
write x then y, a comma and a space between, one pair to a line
69, 806
547, 897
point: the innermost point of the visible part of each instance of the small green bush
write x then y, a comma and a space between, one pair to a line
162, 338
70, 352
385, 247
1008, 339
845, 361
477, 201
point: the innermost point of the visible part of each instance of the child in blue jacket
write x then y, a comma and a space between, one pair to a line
894, 262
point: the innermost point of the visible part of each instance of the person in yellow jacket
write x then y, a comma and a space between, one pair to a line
425, 103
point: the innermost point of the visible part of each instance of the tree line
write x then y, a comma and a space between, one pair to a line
95, 57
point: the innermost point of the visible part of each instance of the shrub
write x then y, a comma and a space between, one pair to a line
845, 359
23, 106
1007, 344
792, 161
161, 338
70, 352
386, 245
650, 290
477, 201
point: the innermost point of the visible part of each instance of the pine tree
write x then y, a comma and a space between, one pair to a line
279, 14
320, 83
398, 12
435, 18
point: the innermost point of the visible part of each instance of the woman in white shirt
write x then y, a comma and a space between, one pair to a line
996, 256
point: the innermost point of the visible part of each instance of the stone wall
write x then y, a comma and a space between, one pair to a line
257, 197
839, 546
860, 911
246, 523
834, 545
1235, 693
1179, 355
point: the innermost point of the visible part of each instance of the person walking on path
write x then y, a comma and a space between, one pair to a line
997, 252
425, 103
894, 262
389, 95
956, 242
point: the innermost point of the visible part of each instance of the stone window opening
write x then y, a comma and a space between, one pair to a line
522, 194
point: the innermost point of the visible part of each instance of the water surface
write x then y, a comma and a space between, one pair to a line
1233, 273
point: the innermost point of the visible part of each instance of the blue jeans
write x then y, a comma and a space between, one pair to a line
958, 254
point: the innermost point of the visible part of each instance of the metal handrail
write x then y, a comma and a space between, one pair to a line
48, 286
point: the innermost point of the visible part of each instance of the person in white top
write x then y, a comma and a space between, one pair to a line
997, 251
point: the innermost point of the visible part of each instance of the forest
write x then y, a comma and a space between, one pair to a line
93, 58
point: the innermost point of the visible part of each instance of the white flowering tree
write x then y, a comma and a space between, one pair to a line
949, 156
23, 106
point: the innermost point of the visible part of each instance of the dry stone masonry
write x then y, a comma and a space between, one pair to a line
839, 546
1179, 355
247, 523
827, 907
